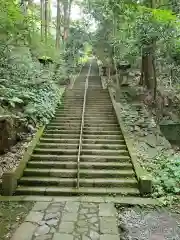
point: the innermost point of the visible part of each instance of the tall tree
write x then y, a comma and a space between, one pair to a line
42, 20
148, 71
67, 4
46, 20
49, 15
58, 25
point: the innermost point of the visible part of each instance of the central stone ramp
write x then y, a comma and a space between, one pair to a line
105, 165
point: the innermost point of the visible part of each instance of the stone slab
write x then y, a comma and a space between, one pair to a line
24, 232
53, 209
40, 206
72, 207
34, 217
62, 236
108, 225
109, 237
66, 227
44, 237
69, 217
107, 210
42, 230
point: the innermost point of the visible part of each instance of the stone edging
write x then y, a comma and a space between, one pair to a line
10, 179
144, 179
123, 200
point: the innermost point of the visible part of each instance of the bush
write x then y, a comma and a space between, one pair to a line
167, 175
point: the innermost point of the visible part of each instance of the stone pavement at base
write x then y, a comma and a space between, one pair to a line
69, 221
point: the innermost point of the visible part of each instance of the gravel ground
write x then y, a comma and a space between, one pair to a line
11, 159
12, 215
148, 224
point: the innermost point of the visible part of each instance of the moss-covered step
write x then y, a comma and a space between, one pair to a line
84, 182
60, 191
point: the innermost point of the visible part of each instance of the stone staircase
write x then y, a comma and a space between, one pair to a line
105, 165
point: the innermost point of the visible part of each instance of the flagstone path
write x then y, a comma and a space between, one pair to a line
69, 221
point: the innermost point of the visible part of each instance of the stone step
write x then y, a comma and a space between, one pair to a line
108, 125
68, 117
90, 121
85, 132
72, 182
84, 158
105, 173
55, 164
52, 172
104, 146
71, 126
85, 141
100, 121
83, 165
69, 108
96, 106
60, 191
74, 112
103, 141
102, 133
61, 136
63, 151
98, 112
99, 101
104, 137
78, 97
58, 145
101, 128
84, 173
60, 140
84, 146
101, 104
106, 158
68, 126
102, 116
72, 101
65, 123
62, 131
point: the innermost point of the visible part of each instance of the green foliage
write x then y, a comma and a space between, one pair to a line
130, 26
76, 43
167, 174
43, 107
26, 88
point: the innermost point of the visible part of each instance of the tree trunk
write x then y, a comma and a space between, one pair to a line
67, 12
46, 20
49, 16
58, 30
65, 9
42, 20
148, 76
